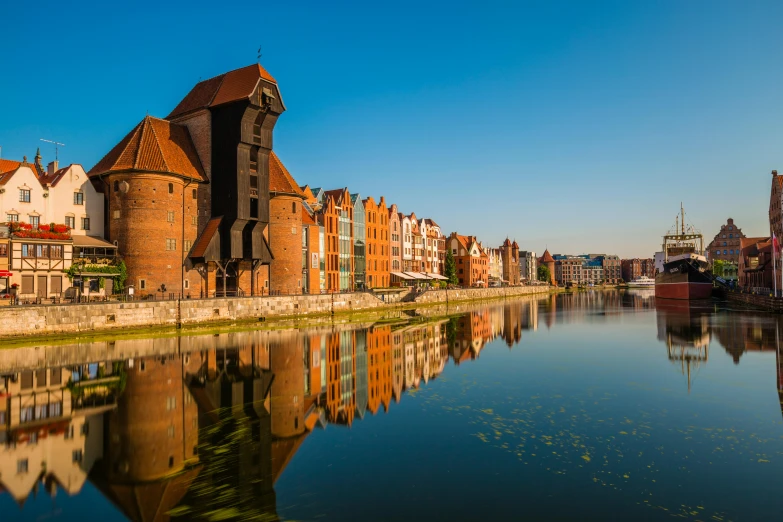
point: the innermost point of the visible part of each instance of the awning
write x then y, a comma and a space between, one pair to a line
415, 275
437, 276
91, 242
402, 276
5, 273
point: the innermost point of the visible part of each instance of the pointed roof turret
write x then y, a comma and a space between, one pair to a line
547, 257
154, 145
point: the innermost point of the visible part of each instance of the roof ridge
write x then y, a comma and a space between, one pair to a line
137, 152
157, 142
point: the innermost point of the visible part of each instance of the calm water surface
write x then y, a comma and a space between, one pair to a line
593, 406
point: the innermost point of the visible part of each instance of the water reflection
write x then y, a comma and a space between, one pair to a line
201, 427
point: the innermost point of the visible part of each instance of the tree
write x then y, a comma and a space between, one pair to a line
719, 267
544, 274
451, 268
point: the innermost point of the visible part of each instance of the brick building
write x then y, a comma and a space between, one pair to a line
509, 253
755, 264
472, 261
151, 182
196, 186
726, 243
636, 268
285, 230
312, 253
359, 235
378, 243
336, 216
547, 260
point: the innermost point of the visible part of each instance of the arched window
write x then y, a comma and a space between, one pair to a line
724, 252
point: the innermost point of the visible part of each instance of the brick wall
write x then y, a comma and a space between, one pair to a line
285, 240
147, 224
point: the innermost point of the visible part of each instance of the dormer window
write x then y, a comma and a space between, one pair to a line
24, 195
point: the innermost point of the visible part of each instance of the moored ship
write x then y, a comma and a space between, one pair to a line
642, 282
685, 273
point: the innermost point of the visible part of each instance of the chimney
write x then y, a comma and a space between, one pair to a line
51, 168
774, 173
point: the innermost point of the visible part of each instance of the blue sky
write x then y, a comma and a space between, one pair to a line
574, 125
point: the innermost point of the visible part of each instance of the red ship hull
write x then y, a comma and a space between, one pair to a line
683, 290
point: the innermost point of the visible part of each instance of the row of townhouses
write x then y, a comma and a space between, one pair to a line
197, 204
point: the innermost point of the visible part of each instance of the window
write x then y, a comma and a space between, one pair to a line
85, 223
171, 188
3, 249
171, 432
731, 228
194, 220
171, 403
724, 252
21, 466
12, 217
188, 244
77, 455
717, 252
55, 251
42, 251
731, 251
34, 220
731, 236
142, 284
78, 198
724, 243
55, 409
26, 414
24, 195
187, 284
85, 429
170, 216
293, 207
171, 244
195, 194
70, 222
115, 214
116, 186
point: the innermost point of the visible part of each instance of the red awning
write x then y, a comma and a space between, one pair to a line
5, 273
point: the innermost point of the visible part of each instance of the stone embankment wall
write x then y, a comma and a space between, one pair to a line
18, 321
471, 294
764, 302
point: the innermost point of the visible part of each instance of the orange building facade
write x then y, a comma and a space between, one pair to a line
471, 259
378, 243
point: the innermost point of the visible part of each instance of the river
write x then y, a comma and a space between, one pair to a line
589, 406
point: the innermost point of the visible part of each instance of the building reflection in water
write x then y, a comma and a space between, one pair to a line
201, 427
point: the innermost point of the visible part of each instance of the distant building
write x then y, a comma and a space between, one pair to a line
472, 261
636, 268
548, 261
726, 244
378, 243
509, 253
528, 266
395, 239
336, 216
592, 269
359, 232
495, 266
755, 264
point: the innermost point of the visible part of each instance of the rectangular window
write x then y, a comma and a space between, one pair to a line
26, 414
188, 244
12, 217
171, 403
187, 284
42, 251
142, 284
21, 466
194, 220
78, 198
35, 220
24, 195
170, 216
3, 249
85, 223
55, 251
115, 214
70, 222
195, 194
77, 455
171, 244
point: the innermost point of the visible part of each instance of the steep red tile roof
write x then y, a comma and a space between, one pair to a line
547, 257
280, 180
225, 88
154, 145
55, 178
336, 195
5, 177
464, 241
9, 165
307, 219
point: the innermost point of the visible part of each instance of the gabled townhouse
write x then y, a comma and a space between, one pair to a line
472, 261
378, 243
336, 216
395, 239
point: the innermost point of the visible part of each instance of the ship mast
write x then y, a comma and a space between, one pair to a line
682, 211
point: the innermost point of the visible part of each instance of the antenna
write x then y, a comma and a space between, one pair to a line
259, 54
56, 147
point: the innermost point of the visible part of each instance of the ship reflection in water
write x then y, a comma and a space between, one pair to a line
201, 427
